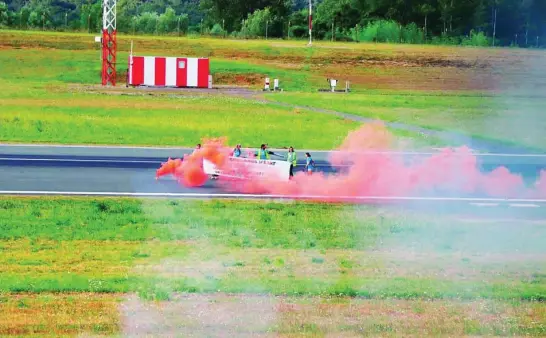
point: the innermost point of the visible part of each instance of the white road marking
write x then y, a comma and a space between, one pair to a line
87, 146
236, 195
69, 160
121, 161
485, 204
525, 205
106, 147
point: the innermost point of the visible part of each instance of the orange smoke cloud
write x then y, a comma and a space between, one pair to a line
370, 171
168, 168
189, 170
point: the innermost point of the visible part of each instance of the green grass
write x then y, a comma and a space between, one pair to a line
45, 110
505, 119
48, 110
70, 116
231, 223
165, 121
83, 67
324, 266
126, 245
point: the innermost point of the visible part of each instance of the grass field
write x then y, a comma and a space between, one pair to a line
510, 120
157, 121
391, 82
308, 258
57, 108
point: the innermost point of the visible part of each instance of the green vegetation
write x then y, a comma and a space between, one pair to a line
83, 67
503, 119
60, 106
158, 121
52, 111
105, 248
63, 103
121, 245
475, 23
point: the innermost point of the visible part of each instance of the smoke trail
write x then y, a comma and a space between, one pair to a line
372, 171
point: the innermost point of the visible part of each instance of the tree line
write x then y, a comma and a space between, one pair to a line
473, 22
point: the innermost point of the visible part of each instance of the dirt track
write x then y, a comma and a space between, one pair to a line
121, 89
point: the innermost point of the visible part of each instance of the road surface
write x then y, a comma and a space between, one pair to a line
130, 171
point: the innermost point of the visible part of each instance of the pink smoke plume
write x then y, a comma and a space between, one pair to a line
371, 170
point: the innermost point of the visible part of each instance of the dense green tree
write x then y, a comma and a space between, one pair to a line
511, 22
3, 14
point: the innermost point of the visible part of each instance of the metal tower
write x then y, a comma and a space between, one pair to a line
109, 42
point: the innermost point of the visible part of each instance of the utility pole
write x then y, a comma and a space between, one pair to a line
310, 22
494, 26
527, 34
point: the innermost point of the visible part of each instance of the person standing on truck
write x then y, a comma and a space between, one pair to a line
263, 153
292, 159
237, 151
309, 164
196, 148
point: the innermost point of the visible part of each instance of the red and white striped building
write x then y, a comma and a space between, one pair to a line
169, 71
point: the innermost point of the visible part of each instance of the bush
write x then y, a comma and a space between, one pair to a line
299, 31
445, 39
217, 30
255, 24
412, 34
339, 35
476, 39
387, 31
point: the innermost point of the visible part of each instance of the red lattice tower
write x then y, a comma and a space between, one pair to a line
109, 42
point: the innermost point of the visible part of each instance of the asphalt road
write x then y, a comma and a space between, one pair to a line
75, 170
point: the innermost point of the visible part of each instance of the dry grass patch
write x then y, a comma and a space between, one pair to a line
59, 314
205, 261
264, 316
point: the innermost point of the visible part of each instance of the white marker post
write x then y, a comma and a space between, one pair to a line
98, 39
210, 81
333, 84
276, 84
266, 84
130, 70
